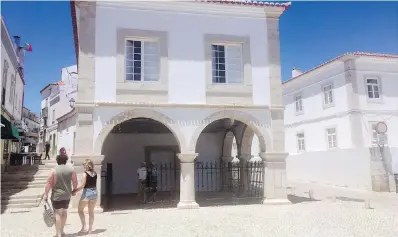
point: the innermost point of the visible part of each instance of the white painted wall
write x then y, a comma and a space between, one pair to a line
315, 135
310, 88
186, 50
387, 71
347, 165
66, 132
341, 167
126, 152
15, 106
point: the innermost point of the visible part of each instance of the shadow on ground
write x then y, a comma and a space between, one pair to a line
297, 199
97, 231
123, 202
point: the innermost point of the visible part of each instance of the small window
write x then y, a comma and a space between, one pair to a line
328, 95
142, 60
373, 88
300, 142
331, 137
299, 104
227, 63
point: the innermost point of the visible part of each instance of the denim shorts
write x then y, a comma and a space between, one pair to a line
89, 194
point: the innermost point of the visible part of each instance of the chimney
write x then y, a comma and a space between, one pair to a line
20, 53
17, 41
296, 72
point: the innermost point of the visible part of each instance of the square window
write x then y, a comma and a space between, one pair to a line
227, 63
142, 57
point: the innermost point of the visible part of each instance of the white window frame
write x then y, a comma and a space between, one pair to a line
327, 96
299, 150
377, 85
228, 44
328, 135
298, 112
143, 40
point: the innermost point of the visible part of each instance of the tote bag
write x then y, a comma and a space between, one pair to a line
48, 215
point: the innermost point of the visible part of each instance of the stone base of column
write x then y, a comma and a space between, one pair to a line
188, 205
282, 201
97, 210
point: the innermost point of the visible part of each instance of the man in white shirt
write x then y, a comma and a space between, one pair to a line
141, 175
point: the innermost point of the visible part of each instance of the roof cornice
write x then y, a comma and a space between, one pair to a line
220, 8
342, 58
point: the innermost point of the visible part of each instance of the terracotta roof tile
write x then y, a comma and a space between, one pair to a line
357, 53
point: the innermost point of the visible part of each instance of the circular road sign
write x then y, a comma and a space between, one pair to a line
381, 127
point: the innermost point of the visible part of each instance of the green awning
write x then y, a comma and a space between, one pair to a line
9, 131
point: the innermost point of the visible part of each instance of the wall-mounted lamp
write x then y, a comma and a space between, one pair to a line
72, 103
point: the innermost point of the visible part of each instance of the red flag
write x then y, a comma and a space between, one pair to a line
28, 47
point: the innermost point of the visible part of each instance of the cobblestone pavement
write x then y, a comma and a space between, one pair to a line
323, 218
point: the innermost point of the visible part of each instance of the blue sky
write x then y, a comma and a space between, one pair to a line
310, 33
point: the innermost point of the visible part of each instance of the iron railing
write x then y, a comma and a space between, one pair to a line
240, 179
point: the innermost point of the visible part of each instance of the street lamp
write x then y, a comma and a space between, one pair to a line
72, 103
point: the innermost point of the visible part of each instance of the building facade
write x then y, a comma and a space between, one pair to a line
180, 88
331, 112
12, 92
31, 127
57, 100
66, 131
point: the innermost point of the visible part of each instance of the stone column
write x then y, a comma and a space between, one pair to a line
78, 161
187, 181
227, 176
275, 191
244, 178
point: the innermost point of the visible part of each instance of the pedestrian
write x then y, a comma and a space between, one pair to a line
47, 150
60, 182
142, 181
89, 196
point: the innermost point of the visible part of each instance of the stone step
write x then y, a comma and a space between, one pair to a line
17, 169
22, 185
15, 193
17, 206
10, 178
33, 201
18, 196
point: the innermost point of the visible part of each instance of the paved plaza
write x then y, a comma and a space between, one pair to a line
316, 218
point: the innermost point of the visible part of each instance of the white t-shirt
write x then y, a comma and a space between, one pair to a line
141, 172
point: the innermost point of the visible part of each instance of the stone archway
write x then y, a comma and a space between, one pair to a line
230, 147
139, 113
252, 123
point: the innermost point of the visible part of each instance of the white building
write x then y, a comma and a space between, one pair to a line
67, 131
57, 99
178, 82
330, 117
12, 91
31, 127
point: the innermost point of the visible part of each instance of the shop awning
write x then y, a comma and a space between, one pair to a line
8, 131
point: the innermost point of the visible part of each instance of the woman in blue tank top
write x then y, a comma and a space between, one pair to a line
89, 196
